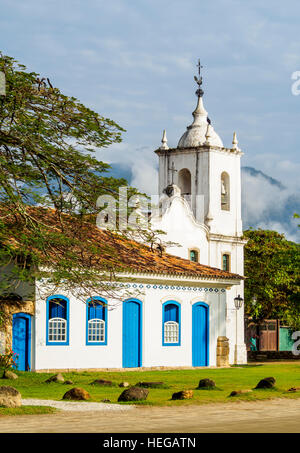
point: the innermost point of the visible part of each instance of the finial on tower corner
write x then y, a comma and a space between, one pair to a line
164, 141
207, 135
199, 91
234, 141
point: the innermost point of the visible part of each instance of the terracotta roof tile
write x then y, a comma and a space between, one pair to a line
114, 251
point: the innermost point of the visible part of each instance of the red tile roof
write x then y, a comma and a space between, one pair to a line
116, 252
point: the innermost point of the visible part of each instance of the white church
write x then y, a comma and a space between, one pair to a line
185, 302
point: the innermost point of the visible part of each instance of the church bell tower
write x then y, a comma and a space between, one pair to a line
207, 173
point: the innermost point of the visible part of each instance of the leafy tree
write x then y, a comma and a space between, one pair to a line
272, 271
47, 157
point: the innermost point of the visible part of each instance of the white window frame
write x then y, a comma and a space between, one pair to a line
171, 332
98, 336
60, 325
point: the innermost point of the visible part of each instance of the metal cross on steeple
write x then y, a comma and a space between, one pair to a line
198, 80
172, 170
199, 66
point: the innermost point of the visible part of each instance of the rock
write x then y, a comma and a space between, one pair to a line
9, 375
105, 401
294, 389
151, 385
56, 378
183, 395
76, 393
69, 382
10, 397
134, 394
239, 392
266, 383
206, 384
102, 382
124, 384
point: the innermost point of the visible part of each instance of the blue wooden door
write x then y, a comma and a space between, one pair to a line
21, 340
132, 333
200, 334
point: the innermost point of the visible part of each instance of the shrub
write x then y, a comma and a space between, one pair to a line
8, 360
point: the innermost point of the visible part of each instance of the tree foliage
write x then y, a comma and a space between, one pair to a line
272, 271
47, 157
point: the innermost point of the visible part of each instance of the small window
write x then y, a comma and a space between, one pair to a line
96, 329
226, 262
171, 324
57, 321
194, 255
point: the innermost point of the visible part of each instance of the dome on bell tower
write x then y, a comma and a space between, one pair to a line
195, 134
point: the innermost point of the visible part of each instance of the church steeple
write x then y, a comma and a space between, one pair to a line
196, 133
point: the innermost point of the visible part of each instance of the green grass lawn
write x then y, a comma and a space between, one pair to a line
27, 410
32, 385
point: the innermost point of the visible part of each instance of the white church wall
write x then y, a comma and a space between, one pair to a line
225, 222
235, 325
78, 355
181, 228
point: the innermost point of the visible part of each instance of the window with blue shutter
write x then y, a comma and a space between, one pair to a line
57, 328
171, 324
96, 321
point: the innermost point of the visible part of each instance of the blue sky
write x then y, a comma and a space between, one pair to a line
134, 62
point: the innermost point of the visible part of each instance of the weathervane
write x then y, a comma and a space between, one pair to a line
198, 80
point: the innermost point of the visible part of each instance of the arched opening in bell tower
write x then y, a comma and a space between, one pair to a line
184, 182
225, 192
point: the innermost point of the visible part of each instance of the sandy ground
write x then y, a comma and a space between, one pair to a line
280, 415
80, 406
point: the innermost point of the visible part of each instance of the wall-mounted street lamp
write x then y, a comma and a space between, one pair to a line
238, 302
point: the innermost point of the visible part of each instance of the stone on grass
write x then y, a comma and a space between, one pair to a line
294, 389
124, 384
56, 378
69, 382
9, 375
76, 393
105, 401
206, 384
9, 397
239, 392
266, 383
183, 395
102, 382
151, 385
134, 394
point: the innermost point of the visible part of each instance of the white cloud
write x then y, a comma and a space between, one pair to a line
142, 161
268, 206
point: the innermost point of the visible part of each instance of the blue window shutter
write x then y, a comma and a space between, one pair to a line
58, 309
171, 313
96, 311
96, 308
